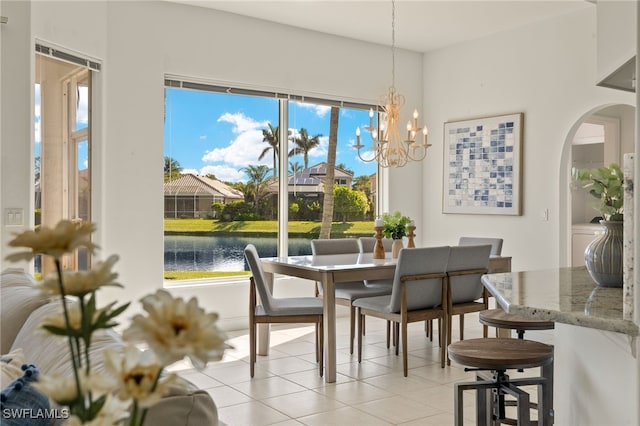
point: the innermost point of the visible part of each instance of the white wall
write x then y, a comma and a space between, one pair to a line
547, 71
138, 43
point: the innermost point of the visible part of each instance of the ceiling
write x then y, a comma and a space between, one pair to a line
421, 26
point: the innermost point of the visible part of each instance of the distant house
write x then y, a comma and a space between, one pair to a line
309, 182
191, 196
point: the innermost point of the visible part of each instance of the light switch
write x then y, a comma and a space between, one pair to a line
14, 217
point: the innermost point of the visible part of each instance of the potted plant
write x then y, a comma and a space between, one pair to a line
603, 256
395, 227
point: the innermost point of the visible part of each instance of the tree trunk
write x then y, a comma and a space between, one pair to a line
327, 204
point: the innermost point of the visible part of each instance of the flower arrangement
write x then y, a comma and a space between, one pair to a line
172, 328
605, 184
395, 225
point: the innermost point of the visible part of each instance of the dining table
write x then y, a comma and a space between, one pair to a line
328, 270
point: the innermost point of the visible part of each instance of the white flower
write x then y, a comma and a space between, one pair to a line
64, 238
135, 374
175, 329
83, 282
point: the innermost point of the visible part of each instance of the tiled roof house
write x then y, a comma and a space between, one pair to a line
191, 196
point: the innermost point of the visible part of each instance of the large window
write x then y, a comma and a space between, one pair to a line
230, 153
62, 146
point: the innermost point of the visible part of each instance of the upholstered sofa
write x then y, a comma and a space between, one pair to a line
24, 342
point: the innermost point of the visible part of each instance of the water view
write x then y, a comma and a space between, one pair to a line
207, 253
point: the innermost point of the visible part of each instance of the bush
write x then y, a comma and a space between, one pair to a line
232, 211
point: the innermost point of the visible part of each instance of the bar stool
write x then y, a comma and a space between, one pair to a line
502, 320
490, 358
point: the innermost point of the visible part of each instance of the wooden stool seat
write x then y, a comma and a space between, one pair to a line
500, 319
500, 353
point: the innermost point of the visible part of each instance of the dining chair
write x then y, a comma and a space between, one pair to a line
346, 292
368, 243
465, 291
496, 248
278, 310
418, 294
496, 243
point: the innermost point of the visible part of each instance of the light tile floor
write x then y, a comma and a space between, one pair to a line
287, 389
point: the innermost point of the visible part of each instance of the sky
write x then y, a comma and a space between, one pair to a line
220, 134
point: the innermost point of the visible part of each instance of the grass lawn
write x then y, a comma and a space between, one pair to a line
262, 227
190, 275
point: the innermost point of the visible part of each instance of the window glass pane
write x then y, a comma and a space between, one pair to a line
218, 166
221, 178
82, 107
309, 163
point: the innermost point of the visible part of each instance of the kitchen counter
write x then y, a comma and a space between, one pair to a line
563, 295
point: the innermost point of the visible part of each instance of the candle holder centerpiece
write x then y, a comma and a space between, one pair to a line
394, 226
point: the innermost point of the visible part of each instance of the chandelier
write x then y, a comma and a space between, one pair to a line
389, 148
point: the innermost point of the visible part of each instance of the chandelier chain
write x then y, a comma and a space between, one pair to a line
393, 43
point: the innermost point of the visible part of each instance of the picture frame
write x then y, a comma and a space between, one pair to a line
482, 171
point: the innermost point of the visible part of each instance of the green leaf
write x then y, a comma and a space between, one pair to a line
61, 331
96, 406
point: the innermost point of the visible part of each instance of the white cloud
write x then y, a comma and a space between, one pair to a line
187, 171
203, 137
320, 110
83, 105
224, 173
242, 123
241, 152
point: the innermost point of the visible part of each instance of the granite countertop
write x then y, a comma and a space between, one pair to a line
564, 295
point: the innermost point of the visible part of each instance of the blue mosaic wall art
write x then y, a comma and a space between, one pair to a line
482, 165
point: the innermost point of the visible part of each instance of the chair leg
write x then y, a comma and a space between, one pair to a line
388, 334
317, 342
396, 338
320, 328
405, 361
442, 338
352, 327
485, 331
364, 324
461, 326
448, 336
252, 348
359, 315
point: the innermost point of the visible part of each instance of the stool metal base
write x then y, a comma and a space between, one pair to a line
491, 388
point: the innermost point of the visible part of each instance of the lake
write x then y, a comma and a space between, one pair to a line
196, 253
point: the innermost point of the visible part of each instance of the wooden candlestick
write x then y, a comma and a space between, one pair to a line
411, 243
378, 248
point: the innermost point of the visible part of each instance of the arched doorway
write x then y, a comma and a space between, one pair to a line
599, 137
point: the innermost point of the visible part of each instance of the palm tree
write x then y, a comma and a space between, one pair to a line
271, 136
257, 182
327, 204
304, 144
344, 168
172, 169
294, 167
